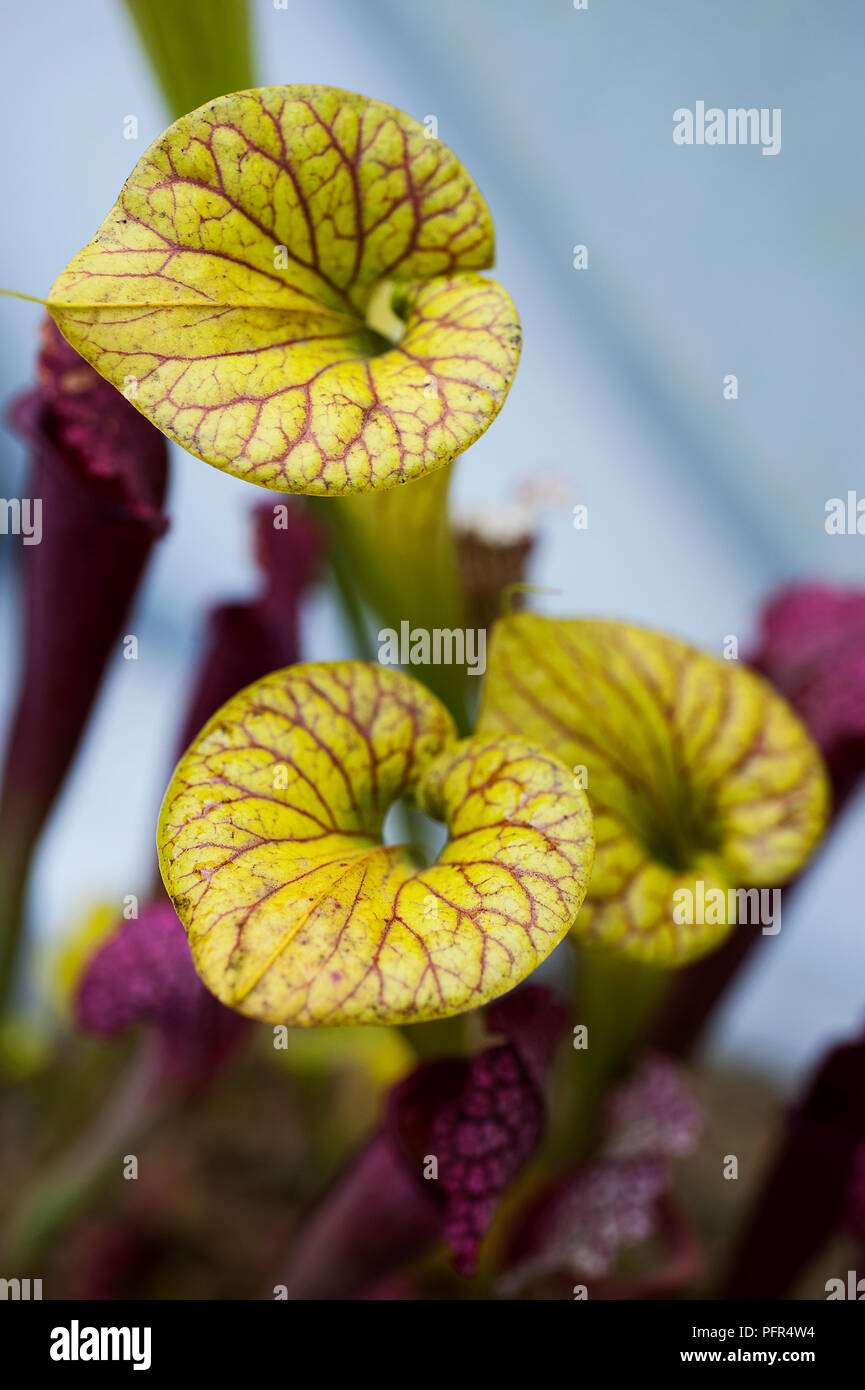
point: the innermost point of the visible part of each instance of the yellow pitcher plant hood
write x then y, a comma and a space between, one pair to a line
296, 912
228, 293
695, 770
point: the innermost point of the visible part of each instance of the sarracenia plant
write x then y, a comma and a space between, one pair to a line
240, 286
288, 286
232, 292
235, 296
706, 790
271, 850
698, 774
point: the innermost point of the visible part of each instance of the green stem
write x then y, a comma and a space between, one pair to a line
442, 1037
349, 598
20, 827
393, 553
617, 998
66, 1189
13, 880
199, 49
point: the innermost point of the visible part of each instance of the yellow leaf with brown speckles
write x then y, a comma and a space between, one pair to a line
231, 293
271, 851
701, 779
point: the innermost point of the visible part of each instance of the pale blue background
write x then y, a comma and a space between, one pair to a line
702, 261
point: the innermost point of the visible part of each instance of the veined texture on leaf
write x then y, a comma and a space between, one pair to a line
227, 293
270, 848
699, 776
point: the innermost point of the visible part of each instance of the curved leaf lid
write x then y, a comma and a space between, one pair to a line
229, 293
